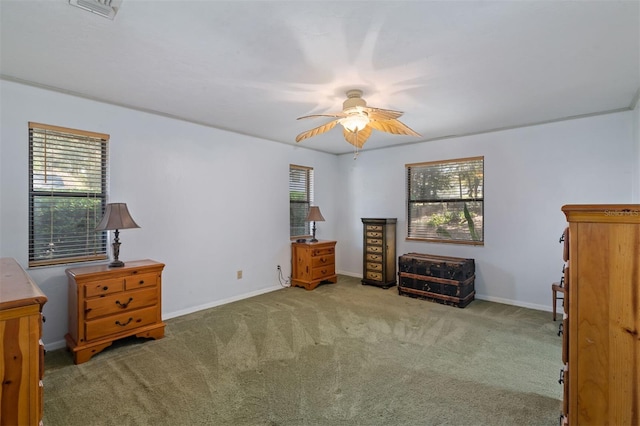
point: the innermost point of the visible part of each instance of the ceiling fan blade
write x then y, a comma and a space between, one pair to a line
393, 126
316, 131
357, 139
380, 114
335, 114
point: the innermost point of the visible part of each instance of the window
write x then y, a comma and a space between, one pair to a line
67, 195
300, 198
445, 201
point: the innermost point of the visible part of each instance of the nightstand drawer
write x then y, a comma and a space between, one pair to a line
121, 302
374, 228
374, 257
374, 249
120, 323
376, 234
323, 271
322, 260
138, 281
323, 251
103, 287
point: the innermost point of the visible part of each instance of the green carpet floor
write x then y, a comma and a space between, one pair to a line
342, 354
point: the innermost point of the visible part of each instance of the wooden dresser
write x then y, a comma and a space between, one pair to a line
106, 304
22, 351
379, 252
602, 327
313, 263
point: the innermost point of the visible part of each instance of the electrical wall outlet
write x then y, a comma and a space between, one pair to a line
278, 267
239, 274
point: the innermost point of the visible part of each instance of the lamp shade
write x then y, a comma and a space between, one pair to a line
314, 215
116, 216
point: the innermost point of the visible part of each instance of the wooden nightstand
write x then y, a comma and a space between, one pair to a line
106, 304
313, 263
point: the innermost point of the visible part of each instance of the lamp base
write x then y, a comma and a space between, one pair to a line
313, 240
116, 264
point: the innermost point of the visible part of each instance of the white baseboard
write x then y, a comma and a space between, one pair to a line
349, 274
215, 303
55, 345
481, 297
513, 303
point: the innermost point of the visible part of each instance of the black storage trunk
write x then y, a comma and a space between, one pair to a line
443, 279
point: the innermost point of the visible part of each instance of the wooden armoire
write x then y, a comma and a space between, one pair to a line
602, 327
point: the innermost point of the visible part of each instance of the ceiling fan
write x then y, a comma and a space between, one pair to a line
358, 120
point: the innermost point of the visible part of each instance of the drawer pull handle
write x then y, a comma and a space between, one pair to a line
125, 324
323, 260
141, 282
124, 305
105, 288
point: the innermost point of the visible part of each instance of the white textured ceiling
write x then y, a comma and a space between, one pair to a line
253, 67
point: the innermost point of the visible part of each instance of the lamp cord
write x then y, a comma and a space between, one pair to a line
287, 282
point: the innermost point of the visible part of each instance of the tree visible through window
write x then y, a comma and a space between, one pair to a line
67, 194
445, 201
300, 198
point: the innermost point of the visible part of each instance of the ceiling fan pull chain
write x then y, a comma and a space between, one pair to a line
356, 151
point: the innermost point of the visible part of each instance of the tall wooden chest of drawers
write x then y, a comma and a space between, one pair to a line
379, 252
602, 360
313, 263
22, 351
106, 304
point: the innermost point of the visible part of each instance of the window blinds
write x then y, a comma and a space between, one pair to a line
445, 200
300, 198
67, 194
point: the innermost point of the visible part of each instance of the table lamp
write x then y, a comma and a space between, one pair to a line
116, 217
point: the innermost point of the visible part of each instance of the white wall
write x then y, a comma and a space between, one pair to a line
195, 192
529, 174
209, 202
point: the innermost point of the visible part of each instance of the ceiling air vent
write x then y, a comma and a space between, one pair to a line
105, 8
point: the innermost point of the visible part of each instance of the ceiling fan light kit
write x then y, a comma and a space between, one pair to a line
355, 122
358, 120
105, 8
